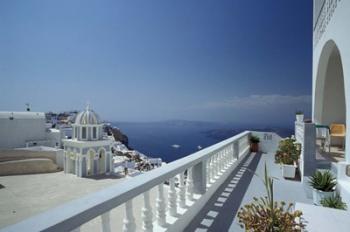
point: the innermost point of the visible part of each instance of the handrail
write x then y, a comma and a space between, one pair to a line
77, 212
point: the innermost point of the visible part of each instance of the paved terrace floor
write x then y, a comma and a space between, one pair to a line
26, 195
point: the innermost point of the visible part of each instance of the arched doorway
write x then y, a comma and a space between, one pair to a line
102, 161
90, 162
330, 101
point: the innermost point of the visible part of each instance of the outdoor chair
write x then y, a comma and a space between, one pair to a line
337, 131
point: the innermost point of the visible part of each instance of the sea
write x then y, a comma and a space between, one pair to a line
171, 140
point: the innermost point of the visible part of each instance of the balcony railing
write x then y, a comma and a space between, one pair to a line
323, 18
190, 180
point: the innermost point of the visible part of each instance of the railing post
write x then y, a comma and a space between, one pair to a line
161, 208
182, 192
147, 215
189, 183
172, 197
106, 223
236, 149
212, 168
208, 172
199, 178
129, 220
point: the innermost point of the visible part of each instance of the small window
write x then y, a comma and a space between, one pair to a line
94, 133
76, 132
83, 133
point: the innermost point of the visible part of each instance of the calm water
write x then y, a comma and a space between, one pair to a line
157, 139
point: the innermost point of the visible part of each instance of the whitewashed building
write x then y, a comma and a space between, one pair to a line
88, 152
26, 129
331, 74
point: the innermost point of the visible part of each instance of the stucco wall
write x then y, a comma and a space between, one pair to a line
338, 32
15, 133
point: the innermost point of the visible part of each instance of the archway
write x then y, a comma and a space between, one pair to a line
330, 101
102, 161
90, 162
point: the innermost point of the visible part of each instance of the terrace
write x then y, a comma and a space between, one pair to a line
200, 192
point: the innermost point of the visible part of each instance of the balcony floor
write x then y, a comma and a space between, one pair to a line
218, 213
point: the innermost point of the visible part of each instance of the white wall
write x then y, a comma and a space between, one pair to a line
25, 126
337, 31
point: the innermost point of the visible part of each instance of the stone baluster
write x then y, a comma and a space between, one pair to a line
129, 220
212, 169
182, 190
208, 172
216, 164
189, 184
161, 206
147, 215
106, 222
221, 163
172, 197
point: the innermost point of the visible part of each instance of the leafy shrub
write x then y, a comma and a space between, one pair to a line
287, 152
299, 112
266, 215
334, 202
254, 139
324, 181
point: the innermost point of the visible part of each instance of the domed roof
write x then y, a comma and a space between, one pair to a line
87, 117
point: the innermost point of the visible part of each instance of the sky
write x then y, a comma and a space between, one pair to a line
225, 60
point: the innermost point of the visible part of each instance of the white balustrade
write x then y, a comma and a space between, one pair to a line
106, 223
204, 166
161, 206
172, 206
182, 190
129, 220
212, 168
189, 184
207, 170
147, 215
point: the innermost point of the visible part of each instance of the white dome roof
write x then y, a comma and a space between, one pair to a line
87, 117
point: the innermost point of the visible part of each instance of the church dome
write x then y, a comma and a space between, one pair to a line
87, 117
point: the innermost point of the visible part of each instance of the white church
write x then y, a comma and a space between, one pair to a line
88, 152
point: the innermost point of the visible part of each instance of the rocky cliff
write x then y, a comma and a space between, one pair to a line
117, 134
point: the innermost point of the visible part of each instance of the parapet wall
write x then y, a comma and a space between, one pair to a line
16, 162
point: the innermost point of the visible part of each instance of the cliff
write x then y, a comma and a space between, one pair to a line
117, 134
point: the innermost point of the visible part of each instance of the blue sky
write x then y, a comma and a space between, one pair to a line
238, 61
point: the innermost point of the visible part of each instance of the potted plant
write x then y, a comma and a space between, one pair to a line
254, 143
323, 184
299, 116
265, 214
287, 155
334, 202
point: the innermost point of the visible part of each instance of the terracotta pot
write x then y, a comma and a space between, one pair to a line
254, 147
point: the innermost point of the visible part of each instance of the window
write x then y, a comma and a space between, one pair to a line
76, 132
94, 133
83, 132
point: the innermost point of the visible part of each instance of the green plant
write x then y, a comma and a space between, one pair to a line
334, 202
254, 139
287, 152
299, 112
266, 215
323, 181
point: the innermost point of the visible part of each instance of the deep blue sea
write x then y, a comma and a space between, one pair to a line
156, 139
